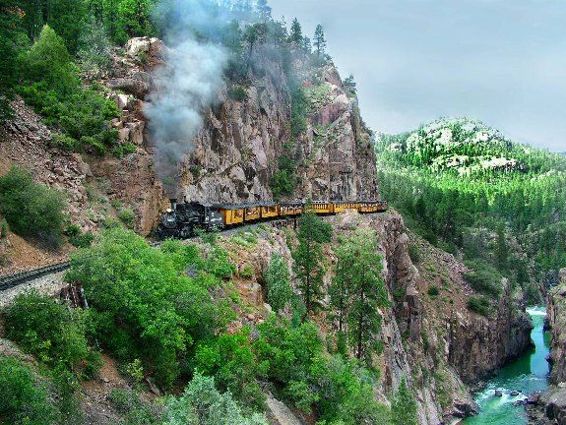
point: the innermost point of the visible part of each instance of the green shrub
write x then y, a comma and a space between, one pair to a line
284, 180
218, 263
404, 406
31, 209
247, 271
77, 238
202, 404
52, 332
433, 291
128, 217
122, 150
135, 412
230, 359
238, 93
4, 228
277, 279
24, 399
144, 304
484, 278
414, 253
480, 305
52, 86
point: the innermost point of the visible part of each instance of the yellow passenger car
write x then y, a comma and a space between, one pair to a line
233, 216
323, 207
269, 211
252, 213
289, 210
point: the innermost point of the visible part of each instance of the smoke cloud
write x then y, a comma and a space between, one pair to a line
186, 84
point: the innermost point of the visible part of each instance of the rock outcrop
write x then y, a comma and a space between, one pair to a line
557, 323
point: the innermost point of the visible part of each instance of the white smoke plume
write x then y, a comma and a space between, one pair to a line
185, 85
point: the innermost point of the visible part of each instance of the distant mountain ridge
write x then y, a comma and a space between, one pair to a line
467, 147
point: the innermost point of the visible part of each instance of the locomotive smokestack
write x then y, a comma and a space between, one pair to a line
173, 204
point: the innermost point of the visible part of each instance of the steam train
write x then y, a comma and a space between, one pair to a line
185, 220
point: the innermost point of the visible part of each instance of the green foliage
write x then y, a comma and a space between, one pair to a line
95, 48
333, 388
299, 110
230, 359
53, 88
128, 217
78, 238
4, 228
277, 279
24, 399
404, 406
202, 404
465, 187
144, 306
247, 271
484, 278
54, 333
284, 180
359, 292
134, 411
31, 209
12, 41
308, 256
480, 305
414, 253
433, 291
238, 93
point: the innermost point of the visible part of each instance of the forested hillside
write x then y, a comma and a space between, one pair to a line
467, 188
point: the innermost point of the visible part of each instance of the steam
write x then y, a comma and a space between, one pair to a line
186, 84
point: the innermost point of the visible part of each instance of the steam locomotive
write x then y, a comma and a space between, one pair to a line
185, 220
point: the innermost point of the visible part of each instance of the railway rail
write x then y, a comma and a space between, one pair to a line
13, 280
16, 279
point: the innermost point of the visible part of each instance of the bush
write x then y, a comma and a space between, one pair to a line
128, 217
202, 404
247, 271
284, 180
484, 278
4, 228
238, 93
480, 305
52, 332
52, 86
31, 209
78, 238
414, 253
404, 407
433, 291
135, 412
279, 291
230, 359
24, 400
144, 304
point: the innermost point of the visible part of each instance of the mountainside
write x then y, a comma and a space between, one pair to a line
466, 187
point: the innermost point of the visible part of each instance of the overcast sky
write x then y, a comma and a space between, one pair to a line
500, 61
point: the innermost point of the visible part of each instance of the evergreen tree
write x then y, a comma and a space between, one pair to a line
308, 256
12, 37
264, 10
404, 406
296, 35
279, 291
366, 291
320, 41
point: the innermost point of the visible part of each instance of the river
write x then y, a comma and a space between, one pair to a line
527, 374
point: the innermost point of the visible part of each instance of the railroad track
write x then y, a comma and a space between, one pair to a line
13, 280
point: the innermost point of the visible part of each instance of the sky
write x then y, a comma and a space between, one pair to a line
500, 61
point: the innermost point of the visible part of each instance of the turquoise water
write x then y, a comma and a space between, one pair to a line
527, 374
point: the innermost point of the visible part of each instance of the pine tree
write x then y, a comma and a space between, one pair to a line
320, 41
366, 291
404, 406
264, 10
296, 35
308, 256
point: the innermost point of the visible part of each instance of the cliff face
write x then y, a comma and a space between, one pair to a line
557, 322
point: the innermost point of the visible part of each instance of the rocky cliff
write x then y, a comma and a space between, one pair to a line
557, 322
235, 155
